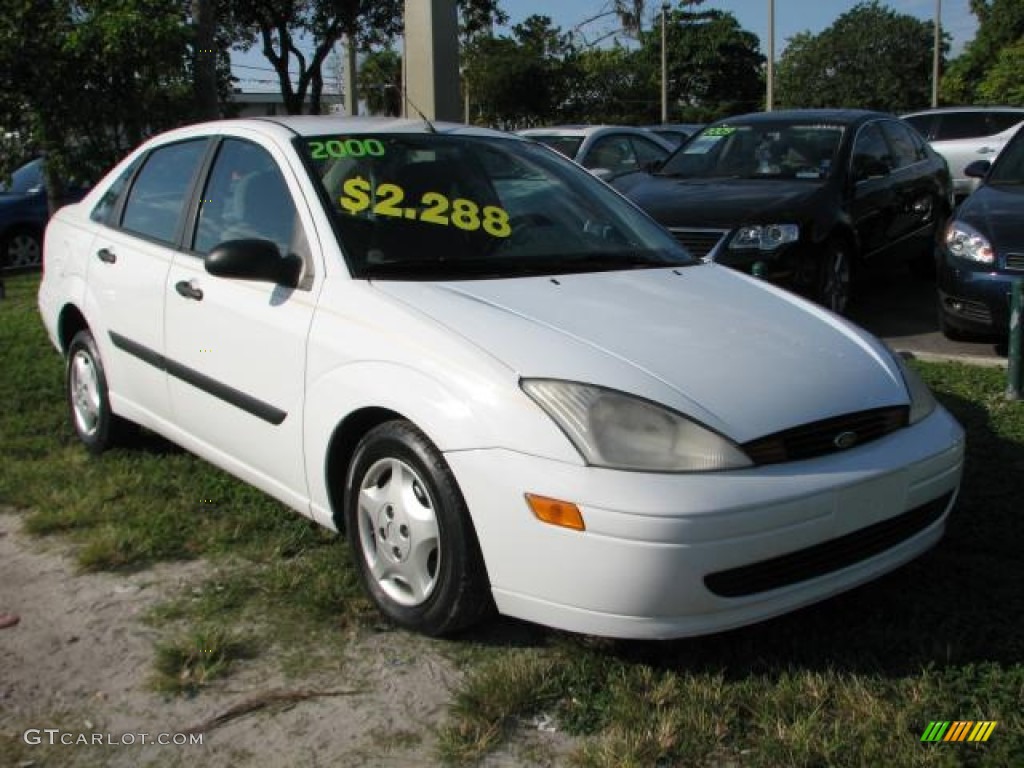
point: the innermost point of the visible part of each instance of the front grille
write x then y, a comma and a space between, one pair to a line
1015, 261
828, 556
821, 438
699, 242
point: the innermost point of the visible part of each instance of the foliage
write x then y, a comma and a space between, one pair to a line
99, 76
714, 65
871, 58
380, 82
988, 71
520, 80
1002, 83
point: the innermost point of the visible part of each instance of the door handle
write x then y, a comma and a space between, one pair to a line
106, 255
187, 289
986, 150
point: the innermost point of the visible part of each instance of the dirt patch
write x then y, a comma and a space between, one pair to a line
81, 657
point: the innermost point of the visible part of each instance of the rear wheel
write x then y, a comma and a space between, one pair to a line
411, 537
21, 247
835, 277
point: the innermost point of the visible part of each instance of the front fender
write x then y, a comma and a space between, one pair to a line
464, 412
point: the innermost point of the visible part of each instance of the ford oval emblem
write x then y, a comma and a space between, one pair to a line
845, 440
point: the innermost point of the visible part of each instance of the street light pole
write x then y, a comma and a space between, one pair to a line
935, 53
769, 96
664, 67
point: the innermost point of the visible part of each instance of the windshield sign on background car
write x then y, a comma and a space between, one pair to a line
774, 151
413, 206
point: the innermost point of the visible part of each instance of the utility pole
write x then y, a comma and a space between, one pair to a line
664, 66
769, 96
936, 54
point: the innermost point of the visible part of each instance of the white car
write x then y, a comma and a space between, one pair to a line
605, 150
965, 134
507, 384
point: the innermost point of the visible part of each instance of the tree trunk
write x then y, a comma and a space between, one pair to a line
204, 15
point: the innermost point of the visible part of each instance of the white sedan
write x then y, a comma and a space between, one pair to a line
506, 384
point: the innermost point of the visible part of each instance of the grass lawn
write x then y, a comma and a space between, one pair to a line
853, 681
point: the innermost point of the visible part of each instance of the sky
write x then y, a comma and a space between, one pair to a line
791, 17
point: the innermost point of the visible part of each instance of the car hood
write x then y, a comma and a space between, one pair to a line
740, 356
721, 202
998, 213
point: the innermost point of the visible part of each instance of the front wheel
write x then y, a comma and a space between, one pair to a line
410, 533
96, 425
835, 277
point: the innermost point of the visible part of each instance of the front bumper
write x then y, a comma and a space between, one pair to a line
974, 299
641, 567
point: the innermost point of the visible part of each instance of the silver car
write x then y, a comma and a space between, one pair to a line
965, 134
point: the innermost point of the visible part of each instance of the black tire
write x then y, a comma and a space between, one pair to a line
95, 424
21, 248
410, 533
835, 277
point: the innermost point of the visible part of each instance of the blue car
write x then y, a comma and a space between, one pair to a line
983, 250
23, 215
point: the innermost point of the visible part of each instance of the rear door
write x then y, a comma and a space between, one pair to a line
915, 183
142, 216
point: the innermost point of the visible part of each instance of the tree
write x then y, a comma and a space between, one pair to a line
380, 82
982, 73
102, 75
871, 58
714, 65
1002, 83
520, 80
278, 27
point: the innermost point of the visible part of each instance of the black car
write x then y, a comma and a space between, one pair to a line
983, 250
801, 196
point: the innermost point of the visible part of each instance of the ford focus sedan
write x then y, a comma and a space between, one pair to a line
508, 386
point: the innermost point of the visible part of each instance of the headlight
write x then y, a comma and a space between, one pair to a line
764, 237
922, 402
965, 242
619, 431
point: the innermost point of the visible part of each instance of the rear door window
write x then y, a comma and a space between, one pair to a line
161, 191
962, 125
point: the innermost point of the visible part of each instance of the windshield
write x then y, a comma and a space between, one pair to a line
434, 206
763, 151
26, 180
1009, 165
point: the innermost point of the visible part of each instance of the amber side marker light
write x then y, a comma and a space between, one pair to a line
564, 514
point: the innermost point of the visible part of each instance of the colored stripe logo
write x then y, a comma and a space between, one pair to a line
959, 730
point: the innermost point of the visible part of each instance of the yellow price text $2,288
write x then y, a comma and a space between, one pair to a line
434, 208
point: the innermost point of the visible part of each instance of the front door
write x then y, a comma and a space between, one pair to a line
236, 349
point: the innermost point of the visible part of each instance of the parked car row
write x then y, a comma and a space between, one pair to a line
511, 388
806, 198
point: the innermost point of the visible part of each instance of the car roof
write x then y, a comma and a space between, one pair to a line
966, 108
844, 116
580, 130
289, 126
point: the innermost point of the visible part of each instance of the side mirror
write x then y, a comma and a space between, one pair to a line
977, 169
254, 260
